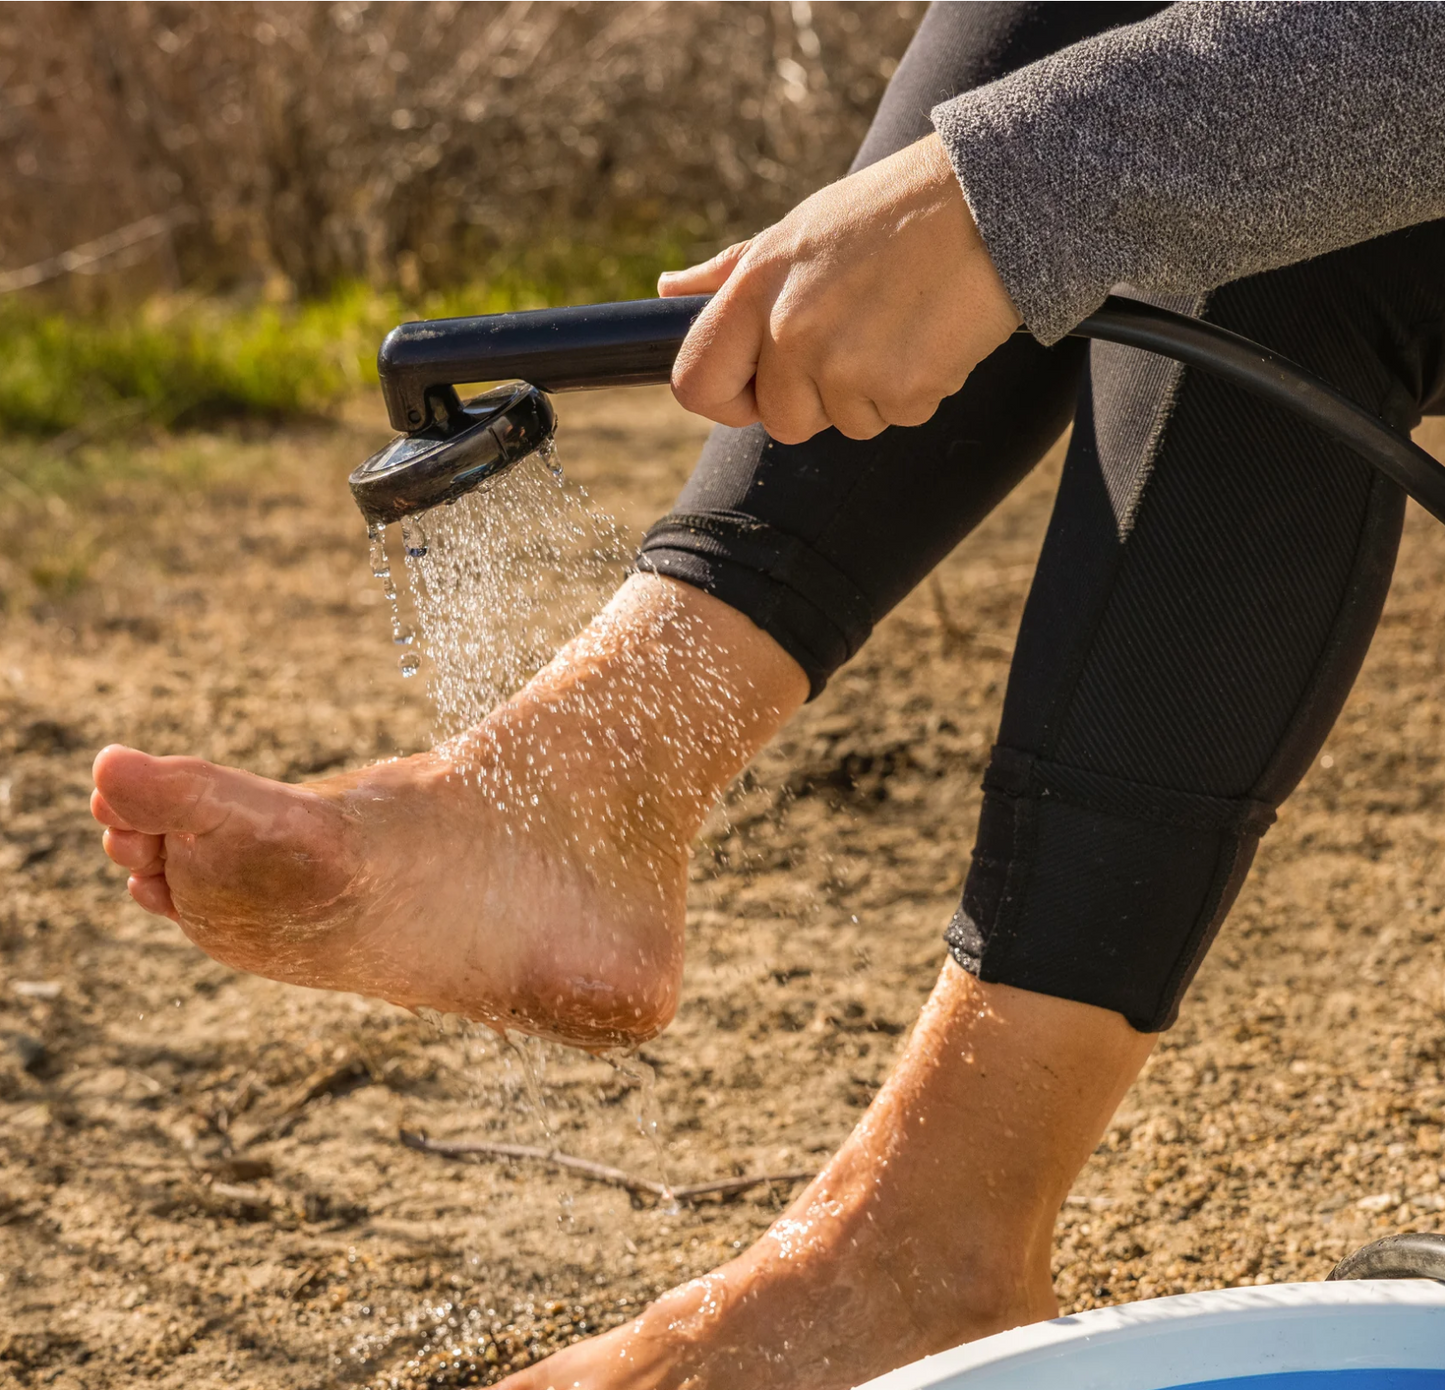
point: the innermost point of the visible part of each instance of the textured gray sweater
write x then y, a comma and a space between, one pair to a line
1208, 142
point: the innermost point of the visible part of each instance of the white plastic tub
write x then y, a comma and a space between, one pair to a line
1354, 1335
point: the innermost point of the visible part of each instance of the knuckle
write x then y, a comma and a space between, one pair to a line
794, 329
909, 411
685, 387
786, 423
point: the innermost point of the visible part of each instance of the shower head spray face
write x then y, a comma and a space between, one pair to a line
476, 441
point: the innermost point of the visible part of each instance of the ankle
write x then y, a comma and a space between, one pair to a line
965, 1266
658, 704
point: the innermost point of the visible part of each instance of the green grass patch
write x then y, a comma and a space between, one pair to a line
190, 360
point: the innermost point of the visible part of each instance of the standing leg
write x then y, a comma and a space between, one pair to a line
931, 1226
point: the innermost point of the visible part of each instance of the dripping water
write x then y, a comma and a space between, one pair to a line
628, 1063
402, 633
531, 1055
532, 1060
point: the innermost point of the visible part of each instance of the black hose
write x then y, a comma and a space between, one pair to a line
1277, 379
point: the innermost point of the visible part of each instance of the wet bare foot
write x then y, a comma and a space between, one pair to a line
932, 1226
530, 874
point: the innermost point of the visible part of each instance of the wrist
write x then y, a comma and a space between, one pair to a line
936, 174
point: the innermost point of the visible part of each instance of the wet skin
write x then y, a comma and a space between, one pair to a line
931, 1226
532, 874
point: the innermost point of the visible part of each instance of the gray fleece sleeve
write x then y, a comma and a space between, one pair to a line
1209, 142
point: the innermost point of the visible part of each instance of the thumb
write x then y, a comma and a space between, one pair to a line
706, 278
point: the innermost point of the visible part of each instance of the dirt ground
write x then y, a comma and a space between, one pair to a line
201, 1181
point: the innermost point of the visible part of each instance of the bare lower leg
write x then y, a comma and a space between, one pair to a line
931, 1226
530, 873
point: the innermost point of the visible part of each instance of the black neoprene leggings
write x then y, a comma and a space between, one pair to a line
1209, 584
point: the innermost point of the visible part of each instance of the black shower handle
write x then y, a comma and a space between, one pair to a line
634, 343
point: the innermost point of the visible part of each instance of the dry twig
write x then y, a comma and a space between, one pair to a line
345, 1075
595, 1172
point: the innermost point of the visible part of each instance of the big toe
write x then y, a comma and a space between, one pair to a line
238, 860
159, 796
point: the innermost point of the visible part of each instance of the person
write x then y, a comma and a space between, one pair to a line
1208, 585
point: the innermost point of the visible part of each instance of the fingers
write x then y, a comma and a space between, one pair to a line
909, 413
707, 278
757, 353
789, 404
714, 370
852, 414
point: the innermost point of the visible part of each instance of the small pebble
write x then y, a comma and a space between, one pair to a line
31, 1052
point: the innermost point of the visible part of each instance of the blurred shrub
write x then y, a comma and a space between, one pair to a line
404, 144
183, 361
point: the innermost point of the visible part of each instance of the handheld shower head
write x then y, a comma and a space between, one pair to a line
449, 447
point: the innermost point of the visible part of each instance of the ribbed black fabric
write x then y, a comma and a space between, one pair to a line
773, 529
1205, 648
1201, 606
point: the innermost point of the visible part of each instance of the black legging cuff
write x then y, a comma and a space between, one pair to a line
1097, 888
799, 598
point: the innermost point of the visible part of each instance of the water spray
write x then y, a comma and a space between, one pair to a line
448, 447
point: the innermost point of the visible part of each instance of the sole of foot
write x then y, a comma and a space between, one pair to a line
416, 881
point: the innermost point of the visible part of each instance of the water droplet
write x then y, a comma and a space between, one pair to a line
376, 534
410, 663
552, 460
413, 537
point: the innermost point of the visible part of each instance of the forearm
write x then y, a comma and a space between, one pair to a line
1210, 142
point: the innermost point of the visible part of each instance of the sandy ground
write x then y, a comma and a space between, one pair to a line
201, 1182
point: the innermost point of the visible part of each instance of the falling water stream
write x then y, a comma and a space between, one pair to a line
498, 580
496, 583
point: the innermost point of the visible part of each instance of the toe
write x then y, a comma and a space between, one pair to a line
105, 813
153, 893
143, 854
158, 795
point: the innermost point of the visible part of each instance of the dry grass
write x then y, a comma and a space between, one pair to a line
401, 143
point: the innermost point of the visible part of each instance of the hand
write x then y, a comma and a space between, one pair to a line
864, 307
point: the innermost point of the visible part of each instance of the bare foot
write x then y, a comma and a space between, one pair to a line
932, 1225
530, 874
